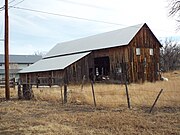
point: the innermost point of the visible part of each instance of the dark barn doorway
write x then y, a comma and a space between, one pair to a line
102, 67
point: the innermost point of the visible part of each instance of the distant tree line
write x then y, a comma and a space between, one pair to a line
40, 53
170, 55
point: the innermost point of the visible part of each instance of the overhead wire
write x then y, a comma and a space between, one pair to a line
3, 7
74, 17
62, 15
17, 3
11, 1
67, 16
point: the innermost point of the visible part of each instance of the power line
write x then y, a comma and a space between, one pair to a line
74, 17
11, 1
3, 7
62, 15
17, 3
56, 14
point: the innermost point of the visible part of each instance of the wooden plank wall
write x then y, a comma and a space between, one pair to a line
145, 40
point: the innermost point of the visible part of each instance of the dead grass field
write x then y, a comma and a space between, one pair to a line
46, 115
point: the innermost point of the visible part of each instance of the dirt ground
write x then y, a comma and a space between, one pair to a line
49, 118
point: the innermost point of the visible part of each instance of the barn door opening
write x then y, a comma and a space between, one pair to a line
102, 67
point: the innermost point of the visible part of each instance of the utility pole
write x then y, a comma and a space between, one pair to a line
6, 43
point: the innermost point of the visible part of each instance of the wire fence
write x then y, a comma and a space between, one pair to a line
117, 97
109, 95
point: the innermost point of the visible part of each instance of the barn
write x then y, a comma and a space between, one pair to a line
129, 54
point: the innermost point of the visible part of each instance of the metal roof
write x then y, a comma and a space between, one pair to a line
110, 39
11, 71
23, 59
55, 63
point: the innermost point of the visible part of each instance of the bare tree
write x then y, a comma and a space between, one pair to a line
170, 55
40, 53
174, 10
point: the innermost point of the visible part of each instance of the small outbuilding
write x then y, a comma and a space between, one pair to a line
130, 54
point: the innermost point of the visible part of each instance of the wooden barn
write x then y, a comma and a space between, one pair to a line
131, 54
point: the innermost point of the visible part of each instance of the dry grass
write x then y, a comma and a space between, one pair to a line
140, 94
46, 115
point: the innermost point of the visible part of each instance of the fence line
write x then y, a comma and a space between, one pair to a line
118, 95
12, 83
122, 97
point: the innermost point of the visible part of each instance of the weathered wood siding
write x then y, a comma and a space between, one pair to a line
144, 66
31, 78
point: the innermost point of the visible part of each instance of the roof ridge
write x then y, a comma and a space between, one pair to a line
104, 40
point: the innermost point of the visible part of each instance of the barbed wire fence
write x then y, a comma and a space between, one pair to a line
108, 95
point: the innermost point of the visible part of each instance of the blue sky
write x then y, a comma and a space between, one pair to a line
31, 31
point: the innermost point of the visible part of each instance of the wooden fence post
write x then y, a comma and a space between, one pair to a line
62, 95
50, 81
37, 82
94, 99
82, 85
14, 83
65, 93
156, 100
127, 93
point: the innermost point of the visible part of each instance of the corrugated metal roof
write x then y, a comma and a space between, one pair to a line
55, 63
29, 59
101, 41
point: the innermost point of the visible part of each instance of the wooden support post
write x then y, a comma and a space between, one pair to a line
127, 93
50, 81
62, 95
82, 85
37, 82
94, 99
14, 83
65, 93
156, 100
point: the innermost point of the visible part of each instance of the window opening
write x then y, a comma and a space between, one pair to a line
138, 51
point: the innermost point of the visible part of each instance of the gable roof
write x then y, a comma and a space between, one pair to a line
21, 59
105, 40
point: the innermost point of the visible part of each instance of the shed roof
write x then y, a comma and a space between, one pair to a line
110, 39
56, 63
21, 59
